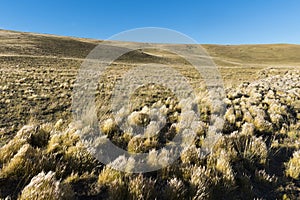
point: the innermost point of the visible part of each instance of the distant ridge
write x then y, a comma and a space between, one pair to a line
24, 43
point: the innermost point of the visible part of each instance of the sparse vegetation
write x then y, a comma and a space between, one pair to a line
43, 157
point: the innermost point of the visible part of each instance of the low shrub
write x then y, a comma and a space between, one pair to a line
45, 187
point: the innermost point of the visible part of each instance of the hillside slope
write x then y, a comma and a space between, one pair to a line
42, 155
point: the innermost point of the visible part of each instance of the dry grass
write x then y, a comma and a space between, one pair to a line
257, 155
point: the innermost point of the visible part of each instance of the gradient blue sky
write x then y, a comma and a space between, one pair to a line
207, 21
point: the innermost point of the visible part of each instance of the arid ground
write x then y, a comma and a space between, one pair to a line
42, 156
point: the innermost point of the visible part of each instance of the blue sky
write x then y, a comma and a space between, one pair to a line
207, 21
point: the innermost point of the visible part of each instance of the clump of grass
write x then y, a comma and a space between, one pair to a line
138, 119
293, 166
123, 163
26, 163
253, 149
68, 152
45, 186
60, 141
109, 127
248, 129
16, 173
141, 188
12, 147
190, 155
246, 147
221, 162
294, 132
262, 125
113, 181
79, 159
9, 150
230, 115
201, 183
109, 175
136, 144
175, 189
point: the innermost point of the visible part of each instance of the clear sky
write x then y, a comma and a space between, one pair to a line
207, 21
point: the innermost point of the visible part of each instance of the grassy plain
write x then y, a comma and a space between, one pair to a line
257, 156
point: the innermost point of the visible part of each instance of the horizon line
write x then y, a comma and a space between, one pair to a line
98, 39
